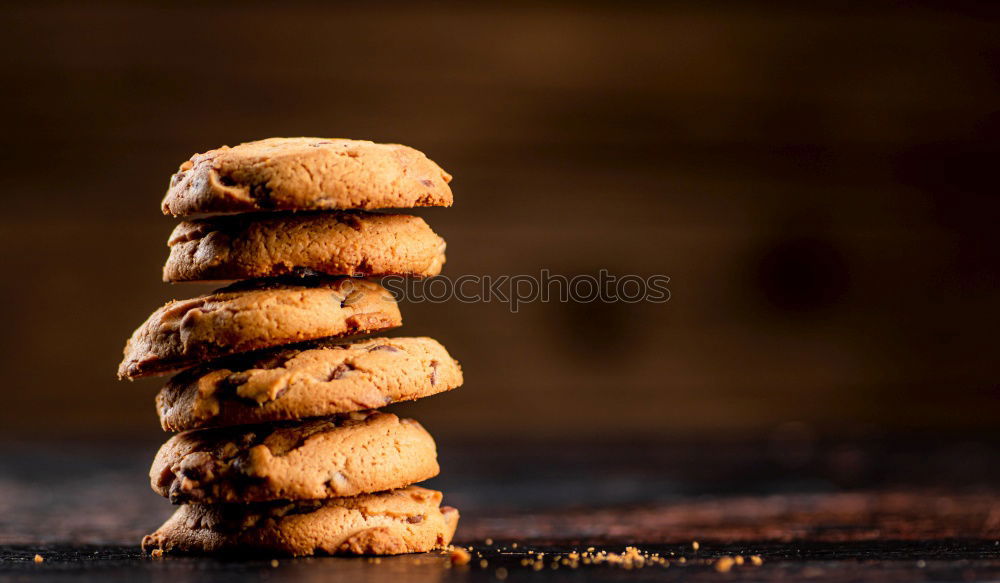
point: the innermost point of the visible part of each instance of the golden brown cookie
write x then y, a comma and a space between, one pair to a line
409, 520
273, 244
306, 380
341, 455
254, 315
306, 174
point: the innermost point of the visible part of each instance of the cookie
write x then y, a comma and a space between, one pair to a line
306, 174
307, 380
273, 244
341, 455
409, 520
254, 315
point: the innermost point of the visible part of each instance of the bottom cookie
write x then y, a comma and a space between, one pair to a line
408, 520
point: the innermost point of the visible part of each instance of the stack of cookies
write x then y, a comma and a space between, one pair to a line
280, 448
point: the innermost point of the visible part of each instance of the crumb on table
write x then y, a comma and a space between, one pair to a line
460, 556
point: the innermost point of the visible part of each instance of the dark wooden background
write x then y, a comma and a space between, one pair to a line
817, 180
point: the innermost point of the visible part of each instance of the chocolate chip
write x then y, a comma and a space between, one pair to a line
226, 180
236, 379
434, 372
262, 194
352, 221
352, 295
275, 360
198, 466
340, 371
277, 395
338, 482
184, 490
243, 465
427, 182
386, 347
174, 494
415, 519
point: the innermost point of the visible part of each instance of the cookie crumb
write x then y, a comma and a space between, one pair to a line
460, 556
724, 564
513, 545
695, 545
756, 561
739, 559
156, 553
483, 564
501, 573
39, 558
274, 562
489, 542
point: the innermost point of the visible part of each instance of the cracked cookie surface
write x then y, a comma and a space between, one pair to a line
307, 380
306, 174
272, 244
342, 455
408, 520
254, 315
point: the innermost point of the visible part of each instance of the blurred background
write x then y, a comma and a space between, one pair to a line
817, 181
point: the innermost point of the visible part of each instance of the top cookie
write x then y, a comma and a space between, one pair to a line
306, 174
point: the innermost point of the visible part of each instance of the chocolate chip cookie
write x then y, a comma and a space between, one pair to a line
273, 244
409, 520
342, 455
306, 174
254, 315
306, 380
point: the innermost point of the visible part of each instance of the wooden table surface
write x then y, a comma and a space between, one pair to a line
905, 511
